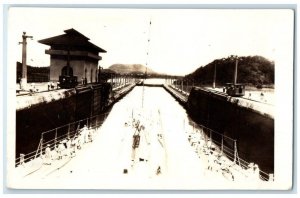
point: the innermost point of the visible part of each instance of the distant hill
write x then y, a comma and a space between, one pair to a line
252, 70
130, 68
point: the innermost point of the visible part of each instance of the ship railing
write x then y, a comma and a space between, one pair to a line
54, 136
227, 147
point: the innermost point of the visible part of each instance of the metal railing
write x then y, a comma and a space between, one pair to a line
54, 136
227, 147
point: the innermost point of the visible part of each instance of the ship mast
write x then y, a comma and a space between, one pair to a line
149, 39
147, 59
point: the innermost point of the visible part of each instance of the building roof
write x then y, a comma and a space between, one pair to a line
71, 38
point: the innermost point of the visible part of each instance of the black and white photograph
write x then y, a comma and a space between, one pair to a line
155, 99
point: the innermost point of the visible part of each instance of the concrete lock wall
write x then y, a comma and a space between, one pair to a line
253, 131
32, 121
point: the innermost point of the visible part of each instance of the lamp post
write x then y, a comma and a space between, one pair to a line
24, 57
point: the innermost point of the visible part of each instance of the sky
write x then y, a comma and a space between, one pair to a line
180, 40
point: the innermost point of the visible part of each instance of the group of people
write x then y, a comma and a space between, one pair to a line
257, 96
205, 149
51, 86
253, 171
32, 88
83, 81
58, 152
216, 160
69, 146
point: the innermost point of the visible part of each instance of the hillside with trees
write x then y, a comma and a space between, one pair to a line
34, 74
252, 70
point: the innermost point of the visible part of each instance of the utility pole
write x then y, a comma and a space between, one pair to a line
215, 71
24, 57
235, 70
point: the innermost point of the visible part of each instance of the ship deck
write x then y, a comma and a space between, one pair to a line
100, 164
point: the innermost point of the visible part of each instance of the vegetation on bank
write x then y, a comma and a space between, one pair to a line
34, 74
252, 70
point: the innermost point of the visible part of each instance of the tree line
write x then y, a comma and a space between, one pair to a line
34, 74
252, 70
